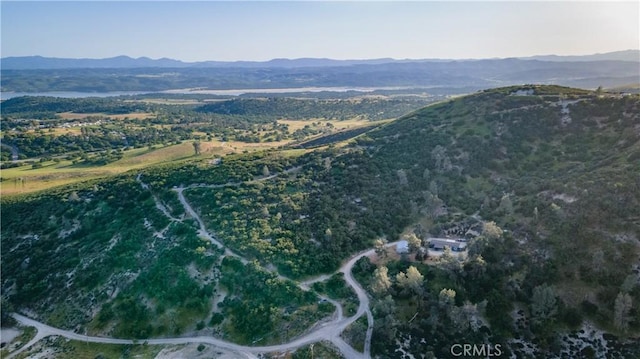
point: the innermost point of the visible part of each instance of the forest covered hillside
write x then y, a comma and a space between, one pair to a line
557, 170
541, 181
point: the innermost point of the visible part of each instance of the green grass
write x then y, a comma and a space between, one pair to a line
25, 179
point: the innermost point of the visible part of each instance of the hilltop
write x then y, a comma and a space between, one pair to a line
540, 180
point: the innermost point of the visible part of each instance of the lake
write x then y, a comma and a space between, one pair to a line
230, 92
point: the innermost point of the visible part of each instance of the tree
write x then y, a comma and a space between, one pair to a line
381, 282
630, 282
447, 297
621, 309
543, 303
380, 247
328, 233
385, 324
412, 280
478, 266
197, 147
452, 264
491, 230
414, 242
73, 197
506, 204
422, 254
402, 177
464, 318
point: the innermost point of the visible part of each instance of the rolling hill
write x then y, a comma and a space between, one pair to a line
541, 180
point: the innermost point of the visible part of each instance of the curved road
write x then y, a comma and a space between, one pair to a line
329, 331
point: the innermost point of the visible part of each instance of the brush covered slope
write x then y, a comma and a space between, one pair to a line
543, 181
556, 171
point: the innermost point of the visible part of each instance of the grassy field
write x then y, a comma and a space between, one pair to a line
340, 125
26, 179
58, 131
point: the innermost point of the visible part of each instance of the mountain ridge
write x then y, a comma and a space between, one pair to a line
123, 61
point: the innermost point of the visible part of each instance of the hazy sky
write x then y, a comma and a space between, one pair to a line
262, 30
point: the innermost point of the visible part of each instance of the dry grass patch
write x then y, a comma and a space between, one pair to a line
24, 182
339, 125
131, 116
244, 146
58, 131
26, 179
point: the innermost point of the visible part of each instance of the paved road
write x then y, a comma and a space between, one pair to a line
329, 331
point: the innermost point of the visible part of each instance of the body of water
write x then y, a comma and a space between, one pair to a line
231, 92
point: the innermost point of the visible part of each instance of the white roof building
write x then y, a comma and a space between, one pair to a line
402, 247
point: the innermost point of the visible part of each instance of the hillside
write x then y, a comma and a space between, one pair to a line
557, 170
543, 180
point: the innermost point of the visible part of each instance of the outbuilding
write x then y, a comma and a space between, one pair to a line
439, 244
402, 247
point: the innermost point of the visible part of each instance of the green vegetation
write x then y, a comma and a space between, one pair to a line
47, 126
59, 141
336, 288
355, 333
562, 182
277, 108
52, 172
265, 309
541, 179
321, 350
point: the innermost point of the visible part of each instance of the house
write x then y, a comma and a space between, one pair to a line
439, 244
402, 247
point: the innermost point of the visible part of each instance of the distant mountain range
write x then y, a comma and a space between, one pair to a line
39, 74
39, 62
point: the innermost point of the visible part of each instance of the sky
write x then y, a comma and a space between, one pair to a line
263, 30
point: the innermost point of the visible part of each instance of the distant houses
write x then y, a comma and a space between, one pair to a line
455, 245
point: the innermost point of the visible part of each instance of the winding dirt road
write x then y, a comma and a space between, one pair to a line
329, 331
